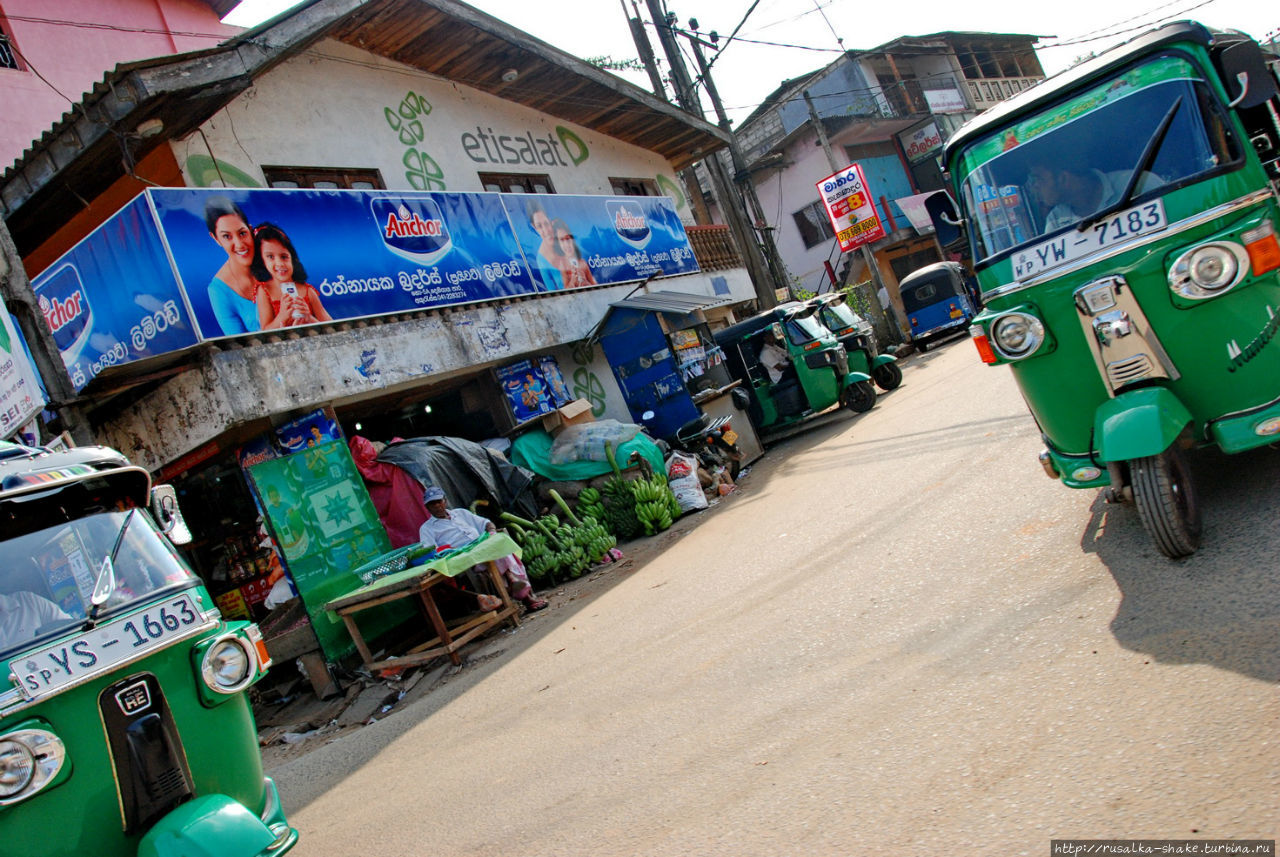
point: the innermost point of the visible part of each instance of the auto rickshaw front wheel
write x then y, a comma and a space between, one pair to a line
859, 397
1165, 496
887, 376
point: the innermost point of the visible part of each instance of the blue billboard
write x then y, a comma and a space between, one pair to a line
112, 298
177, 266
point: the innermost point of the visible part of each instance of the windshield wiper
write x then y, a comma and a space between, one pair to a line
104, 585
1148, 155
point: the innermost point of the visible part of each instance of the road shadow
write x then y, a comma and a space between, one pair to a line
1220, 606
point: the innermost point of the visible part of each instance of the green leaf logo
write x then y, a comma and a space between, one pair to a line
671, 189
578, 151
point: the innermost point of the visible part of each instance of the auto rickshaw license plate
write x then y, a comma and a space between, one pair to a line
106, 646
731, 437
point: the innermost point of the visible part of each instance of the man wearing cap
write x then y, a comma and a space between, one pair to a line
457, 528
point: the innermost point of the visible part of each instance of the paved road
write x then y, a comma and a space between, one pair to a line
900, 638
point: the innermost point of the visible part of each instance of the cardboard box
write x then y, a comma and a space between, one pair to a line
576, 412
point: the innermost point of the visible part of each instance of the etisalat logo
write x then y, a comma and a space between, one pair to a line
65, 305
412, 228
629, 223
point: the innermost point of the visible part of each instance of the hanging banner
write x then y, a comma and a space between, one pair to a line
325, 524
112, 298
574, 241
21, 396
850, 207
528, 392
176, 266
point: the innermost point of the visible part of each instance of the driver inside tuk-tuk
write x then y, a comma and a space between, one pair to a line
774, 359
23, 614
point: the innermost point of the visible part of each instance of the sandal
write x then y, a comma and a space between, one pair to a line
534, 605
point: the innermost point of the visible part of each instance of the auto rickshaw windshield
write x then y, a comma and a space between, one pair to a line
1049, 171
839, 317
50, 573
803, 330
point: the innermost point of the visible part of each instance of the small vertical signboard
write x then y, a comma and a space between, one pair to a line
850, 208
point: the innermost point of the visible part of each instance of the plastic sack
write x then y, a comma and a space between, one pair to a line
682, 477
585, 441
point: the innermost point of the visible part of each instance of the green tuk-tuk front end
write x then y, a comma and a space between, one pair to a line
125, 727
858, 337
1122, 218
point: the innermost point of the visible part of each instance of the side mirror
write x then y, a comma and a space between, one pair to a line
1244, 71
164, 508
946, 220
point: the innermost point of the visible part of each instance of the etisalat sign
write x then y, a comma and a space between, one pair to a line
169, 269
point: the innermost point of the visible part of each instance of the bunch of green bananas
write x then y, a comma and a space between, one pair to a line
540, 559
589, 538
591, 503
654, 504
619, 503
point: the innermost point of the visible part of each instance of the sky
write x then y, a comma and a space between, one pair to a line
807, 34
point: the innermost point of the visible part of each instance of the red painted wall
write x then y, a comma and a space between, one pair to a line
72, 44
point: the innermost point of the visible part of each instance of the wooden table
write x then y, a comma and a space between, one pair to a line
419, 581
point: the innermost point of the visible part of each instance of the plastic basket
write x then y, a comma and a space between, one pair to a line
393, 561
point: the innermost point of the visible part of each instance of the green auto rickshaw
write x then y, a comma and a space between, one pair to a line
125, 727
812, 376
858, 337
1122, 220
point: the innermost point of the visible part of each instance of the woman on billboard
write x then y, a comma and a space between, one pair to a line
549, 259
233, 290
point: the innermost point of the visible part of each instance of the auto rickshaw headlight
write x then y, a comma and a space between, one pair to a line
1207, 270
1016, 335
17, 768
227, 666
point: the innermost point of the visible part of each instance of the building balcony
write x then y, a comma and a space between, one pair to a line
988, 91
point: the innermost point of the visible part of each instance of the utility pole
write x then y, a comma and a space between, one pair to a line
757, 267
692, 188
15, 289
740, 174
868, 258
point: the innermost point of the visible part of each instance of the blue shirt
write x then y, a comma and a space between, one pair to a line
234, 313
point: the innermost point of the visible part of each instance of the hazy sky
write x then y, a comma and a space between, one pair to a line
806, 32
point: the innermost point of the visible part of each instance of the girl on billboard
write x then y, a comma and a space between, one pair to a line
575, 269
285, 299
233, 290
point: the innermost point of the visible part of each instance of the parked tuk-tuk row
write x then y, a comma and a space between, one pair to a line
793, 366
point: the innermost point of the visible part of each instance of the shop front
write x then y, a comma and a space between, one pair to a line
668, 366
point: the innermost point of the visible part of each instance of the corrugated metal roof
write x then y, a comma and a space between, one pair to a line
675, 303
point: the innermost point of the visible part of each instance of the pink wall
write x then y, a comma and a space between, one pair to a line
74, 58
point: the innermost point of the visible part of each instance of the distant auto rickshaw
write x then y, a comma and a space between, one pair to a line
858, 337
936, 302
815, 377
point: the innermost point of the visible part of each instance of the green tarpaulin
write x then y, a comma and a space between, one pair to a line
532, 451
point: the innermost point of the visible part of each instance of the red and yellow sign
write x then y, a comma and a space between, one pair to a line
848, 202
